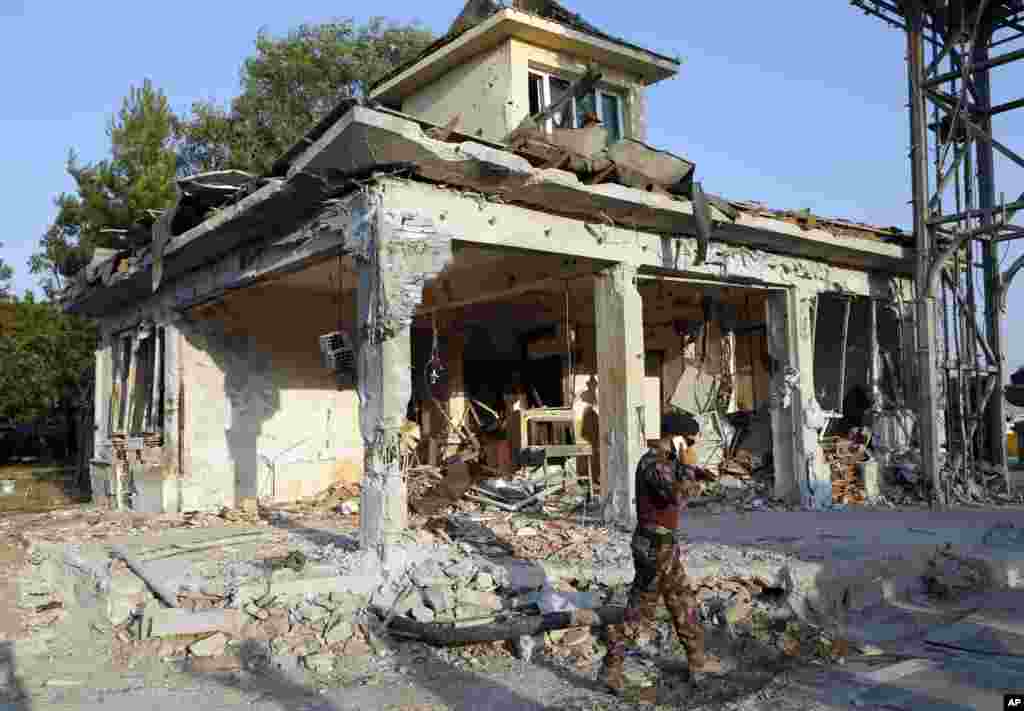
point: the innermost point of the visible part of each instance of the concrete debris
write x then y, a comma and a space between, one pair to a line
950, 576
212, 646
845, 456
176, 622
319, 663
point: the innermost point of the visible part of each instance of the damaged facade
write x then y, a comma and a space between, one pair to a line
470, 247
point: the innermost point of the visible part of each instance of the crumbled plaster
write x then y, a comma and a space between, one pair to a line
365, 138
249, 392
485, 219
401, 252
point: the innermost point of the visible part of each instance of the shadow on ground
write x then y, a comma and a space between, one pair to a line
12, 694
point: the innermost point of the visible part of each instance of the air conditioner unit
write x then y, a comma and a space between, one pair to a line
339, 355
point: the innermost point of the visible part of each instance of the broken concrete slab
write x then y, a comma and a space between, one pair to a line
340, 631
126, 595
212, 646
479, 599
173, 622
303, 586
319, 663
437, 597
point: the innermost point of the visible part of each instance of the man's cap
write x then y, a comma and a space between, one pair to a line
674, 424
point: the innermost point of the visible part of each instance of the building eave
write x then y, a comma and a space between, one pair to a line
367, 142
538, 31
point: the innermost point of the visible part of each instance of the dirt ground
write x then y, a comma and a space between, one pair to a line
12, 558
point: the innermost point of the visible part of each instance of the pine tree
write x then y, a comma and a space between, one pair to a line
116, 194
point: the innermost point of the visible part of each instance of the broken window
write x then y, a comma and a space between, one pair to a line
848, 373
545, 90
136, 399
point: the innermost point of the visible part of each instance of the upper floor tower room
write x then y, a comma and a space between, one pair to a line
499, 63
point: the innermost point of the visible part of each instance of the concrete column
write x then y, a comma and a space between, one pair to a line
801, 474
172, 454
100, 474
781, 396
102, 388
384, 368
618, 312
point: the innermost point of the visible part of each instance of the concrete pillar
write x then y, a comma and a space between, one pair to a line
172, 451
801, 474
781, 395
384, 368
618, 312
104, 382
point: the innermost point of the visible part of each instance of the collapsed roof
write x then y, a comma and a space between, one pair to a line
218, 212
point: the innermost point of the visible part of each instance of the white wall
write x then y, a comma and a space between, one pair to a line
262, 416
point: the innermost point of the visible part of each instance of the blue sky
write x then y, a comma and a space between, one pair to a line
798, 104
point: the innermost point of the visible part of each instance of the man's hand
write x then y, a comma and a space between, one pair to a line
686, 488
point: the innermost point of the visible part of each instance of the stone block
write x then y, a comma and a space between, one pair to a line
174, 622
479, 599
212, 646
319, 663
299, 588
357, 647
461, 570
437, 597
340, 631
312, 613
127, 594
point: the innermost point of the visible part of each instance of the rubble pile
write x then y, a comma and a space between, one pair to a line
950, 576
844, 454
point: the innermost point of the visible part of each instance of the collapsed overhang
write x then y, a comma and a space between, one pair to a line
367, 142
365, 137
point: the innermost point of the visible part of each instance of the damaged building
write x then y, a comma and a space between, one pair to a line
485, 256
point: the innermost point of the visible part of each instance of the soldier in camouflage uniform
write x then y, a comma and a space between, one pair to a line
663, 482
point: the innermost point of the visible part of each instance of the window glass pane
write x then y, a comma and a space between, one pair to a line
559, 88
536, 94
586, 104
611, 117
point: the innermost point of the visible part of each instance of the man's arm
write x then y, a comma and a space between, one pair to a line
660, 479
686, 484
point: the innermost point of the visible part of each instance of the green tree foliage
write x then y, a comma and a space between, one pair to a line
6, 274
46, 360
114, 194
290, 84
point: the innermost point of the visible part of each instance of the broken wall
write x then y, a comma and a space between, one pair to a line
263, 417
478, 91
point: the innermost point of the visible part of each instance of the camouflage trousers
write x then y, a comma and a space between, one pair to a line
660, 574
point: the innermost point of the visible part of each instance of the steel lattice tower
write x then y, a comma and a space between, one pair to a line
955, 49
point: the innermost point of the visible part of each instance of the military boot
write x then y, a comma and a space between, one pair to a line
613, 674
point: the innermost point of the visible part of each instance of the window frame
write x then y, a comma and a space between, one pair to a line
599, 92
146, 406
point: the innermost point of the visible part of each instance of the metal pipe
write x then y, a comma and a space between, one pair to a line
976, 67
996, 409
926, 321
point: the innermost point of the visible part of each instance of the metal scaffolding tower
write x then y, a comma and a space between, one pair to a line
953, 50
